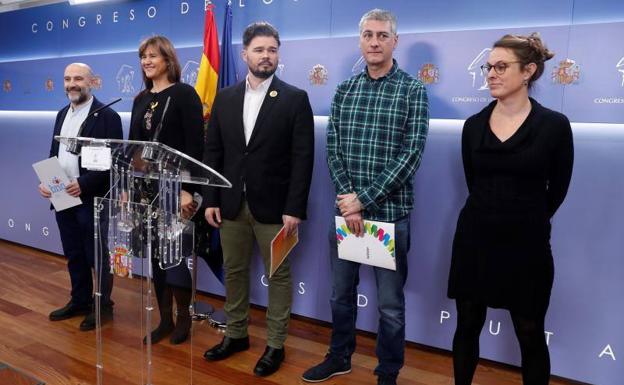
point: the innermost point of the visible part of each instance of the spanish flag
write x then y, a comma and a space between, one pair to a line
208, 75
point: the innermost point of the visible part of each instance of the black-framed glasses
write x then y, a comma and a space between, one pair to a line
500, 67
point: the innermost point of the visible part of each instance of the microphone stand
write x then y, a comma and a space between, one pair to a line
73, 147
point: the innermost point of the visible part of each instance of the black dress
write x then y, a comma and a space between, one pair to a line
182, 129
501, 250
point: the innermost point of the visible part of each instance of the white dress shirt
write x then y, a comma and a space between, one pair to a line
71, 125
253, 102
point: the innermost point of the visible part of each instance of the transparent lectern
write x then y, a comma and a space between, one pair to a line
139, 228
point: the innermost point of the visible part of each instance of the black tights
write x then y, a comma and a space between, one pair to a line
529, 331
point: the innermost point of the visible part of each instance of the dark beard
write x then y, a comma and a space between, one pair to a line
263, 74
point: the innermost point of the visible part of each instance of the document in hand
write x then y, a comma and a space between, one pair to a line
375, 248
52, 176
281, 246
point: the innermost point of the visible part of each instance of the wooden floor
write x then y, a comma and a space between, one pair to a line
32, 283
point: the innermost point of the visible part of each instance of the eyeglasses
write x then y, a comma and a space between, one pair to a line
499, 67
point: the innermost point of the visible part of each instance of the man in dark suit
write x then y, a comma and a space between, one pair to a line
261, 138
76, 223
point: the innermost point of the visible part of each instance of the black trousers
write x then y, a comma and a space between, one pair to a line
76, 229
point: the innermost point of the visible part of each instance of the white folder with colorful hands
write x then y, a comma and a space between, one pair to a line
375, 248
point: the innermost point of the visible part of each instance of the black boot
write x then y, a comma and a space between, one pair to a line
164, 296
183, 319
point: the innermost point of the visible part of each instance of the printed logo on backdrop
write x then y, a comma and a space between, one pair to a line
474, 70
49, 85
280, 69
614, 99
567, 72
429, 74
125, 79
359, 66
7, 86
620, 67
478, 80
97, 82
318, 75
189, 72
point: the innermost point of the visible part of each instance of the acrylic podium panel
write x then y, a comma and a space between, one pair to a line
130, 238
139, 231
151, 160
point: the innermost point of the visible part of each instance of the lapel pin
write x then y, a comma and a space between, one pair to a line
273, 93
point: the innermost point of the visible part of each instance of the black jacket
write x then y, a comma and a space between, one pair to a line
276, 165
106, 124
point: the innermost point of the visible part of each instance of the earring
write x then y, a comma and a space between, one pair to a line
525, 82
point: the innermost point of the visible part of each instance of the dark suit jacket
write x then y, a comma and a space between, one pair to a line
276, 165
106, 125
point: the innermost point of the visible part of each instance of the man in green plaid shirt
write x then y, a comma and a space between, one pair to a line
375, 139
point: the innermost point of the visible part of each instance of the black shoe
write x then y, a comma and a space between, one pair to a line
182, 328
106, 314
69, 311
269, 362
386, 380
162, 330
330, 367
226, 348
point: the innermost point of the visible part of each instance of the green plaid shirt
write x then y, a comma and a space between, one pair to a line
375, 140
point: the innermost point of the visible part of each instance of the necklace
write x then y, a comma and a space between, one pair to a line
147, 118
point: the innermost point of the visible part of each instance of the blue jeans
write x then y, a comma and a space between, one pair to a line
390, 298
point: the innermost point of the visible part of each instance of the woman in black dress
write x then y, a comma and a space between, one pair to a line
181, 129
517, 159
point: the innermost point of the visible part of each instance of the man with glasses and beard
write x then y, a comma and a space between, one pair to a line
267, 154
76, 223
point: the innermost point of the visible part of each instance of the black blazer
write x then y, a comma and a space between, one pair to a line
276, 165
106, 124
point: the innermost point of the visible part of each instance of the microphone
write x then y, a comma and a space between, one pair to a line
149, 152
159, 127
72, 146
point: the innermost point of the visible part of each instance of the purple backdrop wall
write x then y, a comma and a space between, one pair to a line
444, 41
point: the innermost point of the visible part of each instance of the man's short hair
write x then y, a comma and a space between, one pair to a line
261, 28
380, 15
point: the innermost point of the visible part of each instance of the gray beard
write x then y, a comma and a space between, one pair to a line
81, 98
